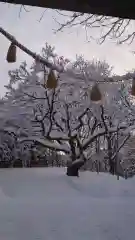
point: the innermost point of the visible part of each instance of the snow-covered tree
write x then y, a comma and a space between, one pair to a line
65, 118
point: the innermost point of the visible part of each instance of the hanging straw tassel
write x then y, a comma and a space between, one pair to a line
95, 94
133, 87
51, 81
11, 54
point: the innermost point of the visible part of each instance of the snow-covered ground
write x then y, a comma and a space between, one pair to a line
46, 204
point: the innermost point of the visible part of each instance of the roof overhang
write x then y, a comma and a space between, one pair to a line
119, 8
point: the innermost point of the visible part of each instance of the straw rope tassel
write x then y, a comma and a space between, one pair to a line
51, 81
95, 94
11, 54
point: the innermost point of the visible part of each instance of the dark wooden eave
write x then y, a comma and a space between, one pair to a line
119, 8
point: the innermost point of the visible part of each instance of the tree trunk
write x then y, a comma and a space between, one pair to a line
112, 167
111, 162
73, 168
72, 171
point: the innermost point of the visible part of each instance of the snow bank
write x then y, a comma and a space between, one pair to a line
46, 204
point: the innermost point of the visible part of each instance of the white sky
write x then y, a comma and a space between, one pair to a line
32, 33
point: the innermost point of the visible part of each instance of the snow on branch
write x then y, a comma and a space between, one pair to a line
99, 133
29, 52
93, 137
46, 143
64, 147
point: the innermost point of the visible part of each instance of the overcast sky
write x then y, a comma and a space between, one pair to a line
28, 30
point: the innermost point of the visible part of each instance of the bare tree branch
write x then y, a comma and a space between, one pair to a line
22, 7
122, 144
111, 27
100, 133
42, 15
34, 97
103, 119
68, 22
